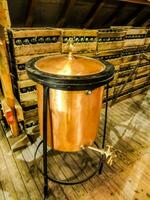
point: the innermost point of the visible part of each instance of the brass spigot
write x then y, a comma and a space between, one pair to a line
109, 153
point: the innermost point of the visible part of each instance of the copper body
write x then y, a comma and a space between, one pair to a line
73, 117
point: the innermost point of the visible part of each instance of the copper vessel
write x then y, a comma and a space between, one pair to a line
76, 93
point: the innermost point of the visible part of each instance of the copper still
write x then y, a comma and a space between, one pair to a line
76, 86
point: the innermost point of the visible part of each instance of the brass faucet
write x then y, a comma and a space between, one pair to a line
109, 153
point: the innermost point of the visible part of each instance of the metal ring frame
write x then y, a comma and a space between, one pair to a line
70, 83
46, 94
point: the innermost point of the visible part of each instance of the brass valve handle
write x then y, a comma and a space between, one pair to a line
111, 158
109, 153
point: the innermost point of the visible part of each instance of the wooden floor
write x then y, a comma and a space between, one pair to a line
128, 178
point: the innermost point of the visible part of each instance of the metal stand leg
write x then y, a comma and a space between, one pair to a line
101, 164
45, 97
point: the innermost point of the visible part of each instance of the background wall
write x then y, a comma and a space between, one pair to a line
78, 13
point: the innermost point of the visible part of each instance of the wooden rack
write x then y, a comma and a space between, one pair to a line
113, 45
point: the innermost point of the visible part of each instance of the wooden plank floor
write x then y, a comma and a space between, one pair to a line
128, 178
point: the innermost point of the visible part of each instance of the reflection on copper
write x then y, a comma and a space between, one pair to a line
62, 65
75, 117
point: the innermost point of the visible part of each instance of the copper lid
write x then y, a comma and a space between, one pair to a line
68, 72
69, 65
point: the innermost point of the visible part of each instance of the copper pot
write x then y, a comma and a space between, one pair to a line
76, 91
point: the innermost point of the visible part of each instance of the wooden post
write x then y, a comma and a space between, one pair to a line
4, 67
7, 85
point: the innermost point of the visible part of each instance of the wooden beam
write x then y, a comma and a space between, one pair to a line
133, 15
142, 20
65, 12
137, 15
30, 13
146, 23
116, 14
145, 2
93, 13
4, 14
119, 6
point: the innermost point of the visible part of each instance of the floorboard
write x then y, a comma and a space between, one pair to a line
127, 179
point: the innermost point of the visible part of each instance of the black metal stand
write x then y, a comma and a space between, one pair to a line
101, 164
46, 97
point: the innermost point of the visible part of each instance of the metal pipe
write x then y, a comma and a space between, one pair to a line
45, 94
105, 126
101, 151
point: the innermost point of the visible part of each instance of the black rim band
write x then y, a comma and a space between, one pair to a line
70, 82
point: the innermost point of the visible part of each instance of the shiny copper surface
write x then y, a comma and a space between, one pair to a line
75, 117
69, 65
